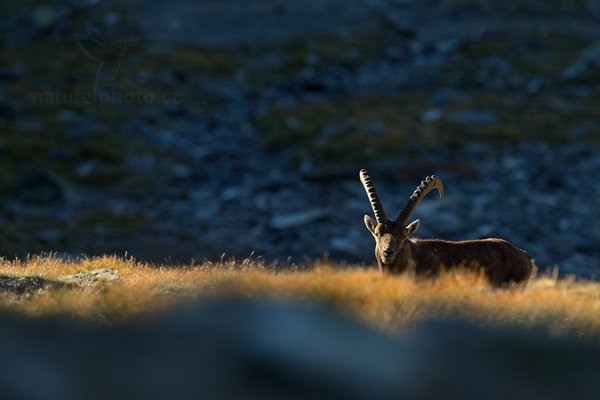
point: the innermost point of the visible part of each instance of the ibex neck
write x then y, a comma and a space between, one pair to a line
406, 260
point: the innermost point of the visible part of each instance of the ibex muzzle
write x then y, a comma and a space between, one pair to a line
395, 252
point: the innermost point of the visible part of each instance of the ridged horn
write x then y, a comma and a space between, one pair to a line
430, 183
373, 197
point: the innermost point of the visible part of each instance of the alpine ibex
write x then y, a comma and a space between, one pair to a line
500, 260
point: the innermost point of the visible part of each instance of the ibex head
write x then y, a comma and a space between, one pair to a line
390, 235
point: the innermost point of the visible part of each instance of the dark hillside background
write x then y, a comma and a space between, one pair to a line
188, 129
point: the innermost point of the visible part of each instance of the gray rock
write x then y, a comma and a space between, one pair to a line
85, 169
474, 117
94, 278
575, 71
207, 211
298, 218
588, 60
233, 192
51, 236
496, 65
432, 115
345, 246
181, 171
71, 116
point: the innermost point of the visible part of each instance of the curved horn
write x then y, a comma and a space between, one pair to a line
430, 183
373, 198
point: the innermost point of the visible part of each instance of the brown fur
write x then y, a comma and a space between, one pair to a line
499, 260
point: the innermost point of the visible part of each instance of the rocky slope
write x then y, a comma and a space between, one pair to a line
249, 139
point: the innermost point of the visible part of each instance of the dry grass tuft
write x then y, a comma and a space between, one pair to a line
564, 307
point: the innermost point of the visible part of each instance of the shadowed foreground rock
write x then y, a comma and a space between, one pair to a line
254, 350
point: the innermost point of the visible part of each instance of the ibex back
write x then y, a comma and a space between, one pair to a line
501, 261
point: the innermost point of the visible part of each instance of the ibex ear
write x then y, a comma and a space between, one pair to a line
412, 227
371, 224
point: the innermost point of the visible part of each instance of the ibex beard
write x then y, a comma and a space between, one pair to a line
396, 252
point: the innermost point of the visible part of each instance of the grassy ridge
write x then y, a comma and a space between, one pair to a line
388, 303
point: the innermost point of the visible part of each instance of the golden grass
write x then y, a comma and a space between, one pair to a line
564, 306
